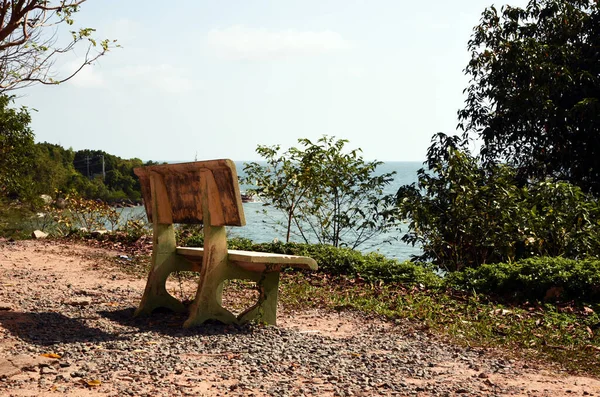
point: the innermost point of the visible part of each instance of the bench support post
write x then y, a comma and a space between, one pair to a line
265, 310
164, 257
207, 304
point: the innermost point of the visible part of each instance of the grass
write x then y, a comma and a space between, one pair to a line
561, 334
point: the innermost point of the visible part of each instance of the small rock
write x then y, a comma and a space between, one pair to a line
483, 375
80, 302
38, 234
47, 371
78, 374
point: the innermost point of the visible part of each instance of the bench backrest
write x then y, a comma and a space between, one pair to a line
183, 190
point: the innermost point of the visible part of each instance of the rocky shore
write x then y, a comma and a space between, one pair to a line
66, 328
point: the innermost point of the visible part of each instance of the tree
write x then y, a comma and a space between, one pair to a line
29, 31
327, 195
280, 183
52, 169
16, 146
534, 93
463, 214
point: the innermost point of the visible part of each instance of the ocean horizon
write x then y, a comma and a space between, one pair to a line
260, 229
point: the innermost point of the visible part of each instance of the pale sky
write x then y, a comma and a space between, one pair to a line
213, 79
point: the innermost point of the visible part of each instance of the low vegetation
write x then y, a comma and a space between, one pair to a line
539, 308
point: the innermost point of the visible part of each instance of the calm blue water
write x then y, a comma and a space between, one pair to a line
260, 229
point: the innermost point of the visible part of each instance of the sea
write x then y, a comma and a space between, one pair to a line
261, 227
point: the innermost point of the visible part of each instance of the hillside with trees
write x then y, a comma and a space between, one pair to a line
29, 169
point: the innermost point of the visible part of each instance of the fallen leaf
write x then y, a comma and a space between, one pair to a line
93, 383
589, 331
587, 311
50, 355
502, 312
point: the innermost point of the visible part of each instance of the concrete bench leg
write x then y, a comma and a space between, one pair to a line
266, 309
164, 262
207, 304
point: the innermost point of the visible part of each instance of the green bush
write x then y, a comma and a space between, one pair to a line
465, 214
372, 268
541, 278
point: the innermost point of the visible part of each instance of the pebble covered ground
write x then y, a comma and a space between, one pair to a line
66, 328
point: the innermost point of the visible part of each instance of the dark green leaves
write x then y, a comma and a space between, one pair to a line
534, 90
463, 214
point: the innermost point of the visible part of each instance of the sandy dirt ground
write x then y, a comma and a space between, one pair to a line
62, 303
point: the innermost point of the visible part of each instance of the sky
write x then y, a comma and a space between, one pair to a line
198, 79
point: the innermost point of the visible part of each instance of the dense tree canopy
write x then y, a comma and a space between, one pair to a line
29, 41
16, 146
534, 94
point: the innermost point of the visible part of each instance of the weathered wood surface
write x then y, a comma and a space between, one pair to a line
251, 257
181, 201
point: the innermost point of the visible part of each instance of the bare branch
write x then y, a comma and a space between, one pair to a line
29, 30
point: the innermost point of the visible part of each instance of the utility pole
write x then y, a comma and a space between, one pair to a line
87, 162
103, 171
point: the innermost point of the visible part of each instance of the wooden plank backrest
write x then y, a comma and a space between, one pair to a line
179, 190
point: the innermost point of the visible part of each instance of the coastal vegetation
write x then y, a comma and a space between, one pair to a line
533, 95
327, 195
510, 236
29, 169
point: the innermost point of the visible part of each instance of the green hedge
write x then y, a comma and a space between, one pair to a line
371, 267
541, 278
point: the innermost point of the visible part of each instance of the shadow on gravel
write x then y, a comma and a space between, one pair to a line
170, 323
48, 328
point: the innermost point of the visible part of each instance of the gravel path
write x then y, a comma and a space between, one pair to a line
60, 300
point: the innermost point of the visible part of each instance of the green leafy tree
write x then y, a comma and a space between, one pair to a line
534, 93
328, 195
16, 148
52, 169
281, 184
463, 214
29, 41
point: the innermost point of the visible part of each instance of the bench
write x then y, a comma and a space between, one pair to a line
207, 193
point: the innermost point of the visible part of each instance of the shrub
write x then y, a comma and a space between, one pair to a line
464, 214
372, 268
539, 278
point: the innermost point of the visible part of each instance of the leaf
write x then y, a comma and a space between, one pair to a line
587, 311
50, 355
93, 383
590, 332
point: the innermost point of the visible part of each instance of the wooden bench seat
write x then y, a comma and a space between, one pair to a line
207, 193
254, 261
